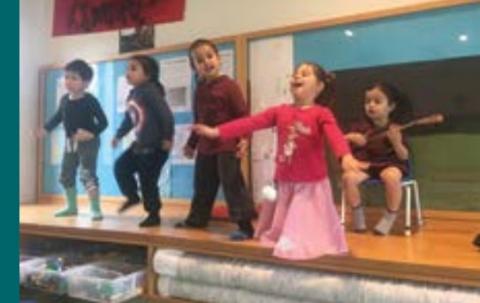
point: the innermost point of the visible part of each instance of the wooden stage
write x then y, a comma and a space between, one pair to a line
441, 252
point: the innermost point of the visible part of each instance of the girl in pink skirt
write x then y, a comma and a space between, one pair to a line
303, 223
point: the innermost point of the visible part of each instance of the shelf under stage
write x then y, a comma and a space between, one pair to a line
441, 252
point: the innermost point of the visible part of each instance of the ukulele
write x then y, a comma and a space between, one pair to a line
427, 120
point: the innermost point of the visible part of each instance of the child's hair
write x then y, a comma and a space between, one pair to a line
151, 70
196, 44
327, 96
403, 111
81, 68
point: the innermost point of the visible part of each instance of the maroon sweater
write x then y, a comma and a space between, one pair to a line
378, 152
216, 102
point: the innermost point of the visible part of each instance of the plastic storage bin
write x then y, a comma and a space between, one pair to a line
25, 264
109, 282
49, 273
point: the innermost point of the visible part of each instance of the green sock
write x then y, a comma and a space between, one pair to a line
70, 208
95, 211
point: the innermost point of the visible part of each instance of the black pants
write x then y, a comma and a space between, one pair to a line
148, 166
210, 171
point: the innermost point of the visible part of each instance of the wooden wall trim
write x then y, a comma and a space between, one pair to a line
39, 141
241, 70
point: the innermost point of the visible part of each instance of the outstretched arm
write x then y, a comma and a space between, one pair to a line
55, 120
338, 143
245, 126
335, 137
206, 131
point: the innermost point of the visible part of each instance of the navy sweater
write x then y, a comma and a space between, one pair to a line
149, 114
85, 113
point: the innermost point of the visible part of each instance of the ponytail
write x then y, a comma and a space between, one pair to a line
328, 95
151, 69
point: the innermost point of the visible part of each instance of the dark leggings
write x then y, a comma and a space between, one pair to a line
148, 166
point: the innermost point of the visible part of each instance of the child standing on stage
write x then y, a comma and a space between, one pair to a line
387, 155
149, 115
218, 99
303, 222
83, 120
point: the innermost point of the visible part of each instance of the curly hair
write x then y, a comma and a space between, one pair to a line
328, 95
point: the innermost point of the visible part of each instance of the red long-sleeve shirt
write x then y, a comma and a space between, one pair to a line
217, 102
301, 136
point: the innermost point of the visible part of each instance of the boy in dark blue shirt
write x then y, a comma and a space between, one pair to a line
83, 120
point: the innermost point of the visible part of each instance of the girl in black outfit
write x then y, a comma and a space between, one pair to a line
150, 117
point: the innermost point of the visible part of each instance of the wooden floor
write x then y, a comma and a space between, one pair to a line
440, 252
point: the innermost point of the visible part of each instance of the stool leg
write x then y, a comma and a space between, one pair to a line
408, 208
342, 209
418, 205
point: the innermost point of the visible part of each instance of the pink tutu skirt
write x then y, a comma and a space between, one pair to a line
303, 223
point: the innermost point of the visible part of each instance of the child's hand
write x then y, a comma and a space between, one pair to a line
83, 135
188, 152
356, 139
115, 142
242, 148
40, 133
349, 163
206, 131
394, 134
